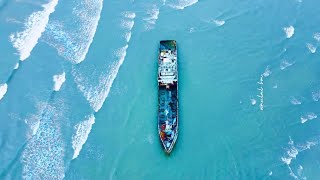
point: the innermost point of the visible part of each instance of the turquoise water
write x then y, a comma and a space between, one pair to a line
83, 102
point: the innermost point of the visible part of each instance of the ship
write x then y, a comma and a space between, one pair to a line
168, 94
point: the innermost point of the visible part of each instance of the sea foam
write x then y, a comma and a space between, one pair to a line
58, 80
219, 22
43, 155
74, 45
316, 36
34, 26
81, 135
96, 95
128, 24
311, 48
295, 101
308, 116
16, 66
253, 101
285, 64
292, 153
289, 31
152, 17
181, 4
3, 90
316, 95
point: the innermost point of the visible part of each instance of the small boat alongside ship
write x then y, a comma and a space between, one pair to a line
168, 94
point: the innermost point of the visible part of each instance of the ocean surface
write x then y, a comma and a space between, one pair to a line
78, 89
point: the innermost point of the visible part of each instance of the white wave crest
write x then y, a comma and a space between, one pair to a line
16, 66
316, 36
289, 31
151, 20
81, 135
295, 101
34, 26
3, 90
96, 95
58, 80
181, 4
308, 116
43, 156
285, 64
219, 22
311, 48
316, 95
74, 45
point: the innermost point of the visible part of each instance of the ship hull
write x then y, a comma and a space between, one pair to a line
168, 117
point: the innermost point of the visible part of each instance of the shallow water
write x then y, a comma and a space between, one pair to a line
78, 91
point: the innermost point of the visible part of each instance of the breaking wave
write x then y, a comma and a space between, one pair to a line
181, 4
96, 95
74, 45
285, 64
43, 155
311, 48
81, 135
307, 117
289, 31
3, 90
34, 26
58, 80
151, 20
